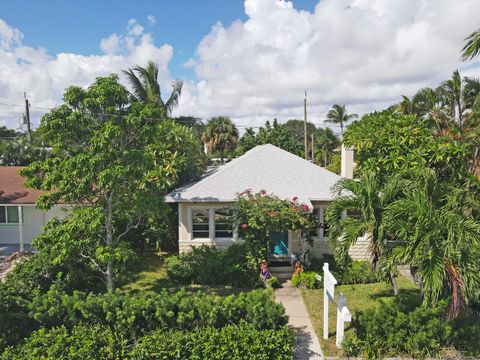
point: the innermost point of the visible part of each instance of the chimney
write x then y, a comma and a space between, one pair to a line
347, 163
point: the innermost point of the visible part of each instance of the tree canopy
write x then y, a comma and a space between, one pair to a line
115, 157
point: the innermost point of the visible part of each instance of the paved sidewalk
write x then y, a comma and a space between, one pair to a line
308, 346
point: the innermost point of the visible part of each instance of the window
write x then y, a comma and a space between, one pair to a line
223, 223
320, 213
8, 215
200, 224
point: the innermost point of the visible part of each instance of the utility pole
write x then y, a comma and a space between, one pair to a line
313, 150
305, 124
27, 118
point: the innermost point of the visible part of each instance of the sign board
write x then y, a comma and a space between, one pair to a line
329, 284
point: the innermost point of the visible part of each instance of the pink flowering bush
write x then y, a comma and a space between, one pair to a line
256, 214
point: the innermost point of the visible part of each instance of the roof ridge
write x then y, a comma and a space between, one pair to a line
228, 165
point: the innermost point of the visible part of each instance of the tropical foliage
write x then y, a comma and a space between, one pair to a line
220, 135
338, 115
111, 155
146, 89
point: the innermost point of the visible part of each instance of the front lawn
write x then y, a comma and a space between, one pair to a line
465, 336
358, 297
152, 277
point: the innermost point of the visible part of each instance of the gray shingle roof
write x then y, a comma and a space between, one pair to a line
265, 167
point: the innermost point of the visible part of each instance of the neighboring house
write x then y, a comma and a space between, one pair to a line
203, 206
20, 220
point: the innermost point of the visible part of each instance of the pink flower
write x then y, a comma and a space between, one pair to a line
305, 207
295, 198
263, 192
243, 226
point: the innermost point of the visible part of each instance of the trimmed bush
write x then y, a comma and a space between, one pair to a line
306, 280
208, 265
82, 342
420, 333
234, 342
135, 314
231, 342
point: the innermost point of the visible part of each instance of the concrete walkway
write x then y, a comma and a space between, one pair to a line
291, 298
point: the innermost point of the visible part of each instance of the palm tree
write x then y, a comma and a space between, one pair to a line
367, 198
220, 135
440, 239
338, 115
144, 82
472, 46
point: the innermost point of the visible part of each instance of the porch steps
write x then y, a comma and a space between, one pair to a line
281, 272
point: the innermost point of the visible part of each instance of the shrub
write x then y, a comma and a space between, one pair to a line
387, 330
305, 279
82, 342
273, 283
242, 341
135, 314
14, 320
208, 265
352, 272
233, 342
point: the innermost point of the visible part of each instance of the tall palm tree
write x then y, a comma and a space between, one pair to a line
146, 89
439, 239
220, 135
367, 198
338, 115
472, 46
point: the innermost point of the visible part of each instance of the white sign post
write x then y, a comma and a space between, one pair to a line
329, 283
343, 315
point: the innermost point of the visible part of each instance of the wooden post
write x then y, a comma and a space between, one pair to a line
343, 315
20, 228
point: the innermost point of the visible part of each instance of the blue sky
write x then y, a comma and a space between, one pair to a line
78, 26
251, 60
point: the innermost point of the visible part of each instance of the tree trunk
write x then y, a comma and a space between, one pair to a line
393, 279
109, 227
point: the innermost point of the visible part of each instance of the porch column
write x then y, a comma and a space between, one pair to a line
20, 228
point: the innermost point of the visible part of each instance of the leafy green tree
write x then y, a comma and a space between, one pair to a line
440, 239
247, 142
390, 143
367, 199
325, 142
146, 89
277, 135
220, 135
338, 115
471, 49
114, 158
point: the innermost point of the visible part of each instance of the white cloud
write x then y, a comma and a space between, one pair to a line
45, 77
151, 20
363, 53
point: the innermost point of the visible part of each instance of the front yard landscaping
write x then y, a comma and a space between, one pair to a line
462, 334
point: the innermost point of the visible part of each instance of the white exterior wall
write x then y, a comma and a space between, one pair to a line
33, 221
186, 242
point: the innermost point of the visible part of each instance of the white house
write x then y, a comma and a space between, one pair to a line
20, 220
203, 206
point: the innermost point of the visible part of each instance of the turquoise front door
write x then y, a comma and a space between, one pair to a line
279, 243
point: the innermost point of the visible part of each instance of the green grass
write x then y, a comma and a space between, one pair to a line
152, 277
358, 297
